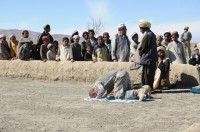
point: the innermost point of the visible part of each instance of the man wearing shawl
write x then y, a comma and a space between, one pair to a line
148, 53
4, 49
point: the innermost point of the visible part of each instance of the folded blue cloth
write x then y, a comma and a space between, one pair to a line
111, 100
195, 90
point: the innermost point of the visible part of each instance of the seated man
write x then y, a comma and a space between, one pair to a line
195, 58
161, 80
117, 81
4, 48
24, 46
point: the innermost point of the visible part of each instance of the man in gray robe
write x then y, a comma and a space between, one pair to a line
120, 50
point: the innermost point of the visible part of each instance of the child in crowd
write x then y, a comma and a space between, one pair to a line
35, 53
64, 50
92, 40
56, 44
13, 46
161, 80
75, 50
83, 44
100, 52
133, 46
159, 40
51, 54
107, 42
88, 54
167, 39
43, 48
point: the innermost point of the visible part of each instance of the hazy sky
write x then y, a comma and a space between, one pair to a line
64, 16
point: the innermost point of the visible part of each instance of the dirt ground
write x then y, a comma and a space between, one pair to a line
35, 105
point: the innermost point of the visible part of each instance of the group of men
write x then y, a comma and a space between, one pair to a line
152, 53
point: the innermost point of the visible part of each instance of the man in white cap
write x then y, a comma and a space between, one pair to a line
75, 32
46, 32
121, 46
148, 53
186, 38
4, 49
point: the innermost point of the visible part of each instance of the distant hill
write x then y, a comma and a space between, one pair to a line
33, 35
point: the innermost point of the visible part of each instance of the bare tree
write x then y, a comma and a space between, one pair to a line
95, 24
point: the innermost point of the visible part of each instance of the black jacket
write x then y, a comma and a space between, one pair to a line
40, 42
193, 61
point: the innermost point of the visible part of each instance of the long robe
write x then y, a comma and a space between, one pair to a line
4, 51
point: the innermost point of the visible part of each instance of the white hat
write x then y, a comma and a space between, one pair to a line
76, 37
144, 23
121, 25
49, 45
2, 35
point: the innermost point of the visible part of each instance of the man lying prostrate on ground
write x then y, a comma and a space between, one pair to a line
117, 81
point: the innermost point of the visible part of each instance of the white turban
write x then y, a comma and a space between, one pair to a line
76, 37
144, 23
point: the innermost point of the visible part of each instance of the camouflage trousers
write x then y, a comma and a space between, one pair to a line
121, 85
187, 48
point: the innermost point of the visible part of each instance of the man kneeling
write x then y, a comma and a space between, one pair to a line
117, 81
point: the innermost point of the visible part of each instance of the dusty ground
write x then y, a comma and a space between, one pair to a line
34, 105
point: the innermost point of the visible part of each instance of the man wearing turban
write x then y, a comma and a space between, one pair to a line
148, 53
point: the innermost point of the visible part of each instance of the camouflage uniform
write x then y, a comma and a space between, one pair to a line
185, 38
115, 80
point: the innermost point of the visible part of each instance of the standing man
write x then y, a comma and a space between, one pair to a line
121, 46
148, 53
185, 38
